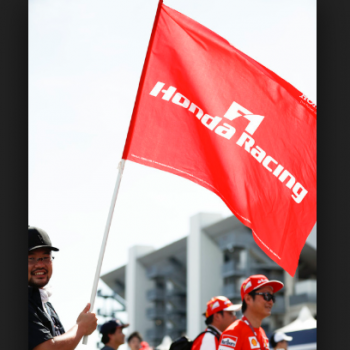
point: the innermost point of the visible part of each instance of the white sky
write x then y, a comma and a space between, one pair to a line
85, 61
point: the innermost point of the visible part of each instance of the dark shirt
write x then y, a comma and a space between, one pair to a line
106, 347
41, 327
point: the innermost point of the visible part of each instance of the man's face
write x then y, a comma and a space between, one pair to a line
227, 319
39, 272
118, 337
282, 345
134, 343
259, 305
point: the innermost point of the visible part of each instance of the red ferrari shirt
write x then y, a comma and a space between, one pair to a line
207, 341
239, 336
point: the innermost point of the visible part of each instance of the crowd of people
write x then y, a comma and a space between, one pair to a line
223, 332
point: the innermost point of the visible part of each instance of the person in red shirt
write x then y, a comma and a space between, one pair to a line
219, 315
257, 294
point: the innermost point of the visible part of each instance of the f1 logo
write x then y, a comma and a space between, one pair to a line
236, 111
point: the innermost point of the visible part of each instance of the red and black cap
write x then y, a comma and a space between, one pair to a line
38, 238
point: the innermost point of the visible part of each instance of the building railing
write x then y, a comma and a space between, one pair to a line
268, 266
155, 333
163, 271
180, 326
155, 294
302, 299
177, 299
154, 312
175, 311
179, 321
229, 291
231, 240
179, 280
176, 305
175, 292
231, 268
306, 286
279, 307
155, 271
173, 273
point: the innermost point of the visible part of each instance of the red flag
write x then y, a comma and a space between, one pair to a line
209, 113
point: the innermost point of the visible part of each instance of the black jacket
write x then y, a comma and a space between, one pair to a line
41, 327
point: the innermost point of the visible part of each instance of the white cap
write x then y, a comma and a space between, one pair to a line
279, 336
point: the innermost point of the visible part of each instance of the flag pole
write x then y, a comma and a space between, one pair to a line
121, 168
105, 237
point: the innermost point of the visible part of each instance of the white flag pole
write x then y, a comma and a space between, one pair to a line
121, 168
104, 241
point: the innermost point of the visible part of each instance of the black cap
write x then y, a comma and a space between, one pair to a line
112, 325
38, 238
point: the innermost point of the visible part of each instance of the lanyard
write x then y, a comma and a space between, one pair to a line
244, 319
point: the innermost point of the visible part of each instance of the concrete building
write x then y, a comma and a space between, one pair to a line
166, 290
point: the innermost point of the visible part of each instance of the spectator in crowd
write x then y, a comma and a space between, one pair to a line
279, 341
257, 294
112, 334
219, 315
45, 330
134, 341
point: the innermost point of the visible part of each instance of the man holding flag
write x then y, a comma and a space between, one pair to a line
45, 331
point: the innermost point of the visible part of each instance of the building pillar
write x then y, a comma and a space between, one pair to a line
204, 280
136, 286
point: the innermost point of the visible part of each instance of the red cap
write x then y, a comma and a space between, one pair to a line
220, 303
257, 281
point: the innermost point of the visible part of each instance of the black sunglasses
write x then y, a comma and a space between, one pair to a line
267, 296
